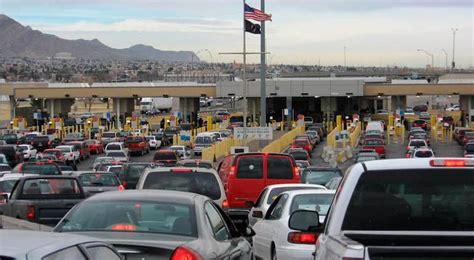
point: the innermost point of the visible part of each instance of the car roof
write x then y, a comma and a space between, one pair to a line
147, 195
309, 191
20, 242
405, 164
302, 185
15, 176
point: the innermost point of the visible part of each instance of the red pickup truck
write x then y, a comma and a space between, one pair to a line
377, 144
137, 144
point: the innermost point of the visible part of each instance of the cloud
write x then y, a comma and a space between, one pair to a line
146, 25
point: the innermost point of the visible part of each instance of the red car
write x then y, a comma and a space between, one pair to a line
420, 123
377, 144
95, 146
302, 143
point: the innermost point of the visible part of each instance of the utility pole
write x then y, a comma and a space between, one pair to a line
263, 72
430, 55
454, 30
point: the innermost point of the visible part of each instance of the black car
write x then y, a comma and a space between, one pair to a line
131, 172
12, 153
10, 138
43, 142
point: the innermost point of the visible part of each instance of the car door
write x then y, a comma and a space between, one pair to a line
228, 245
265, 229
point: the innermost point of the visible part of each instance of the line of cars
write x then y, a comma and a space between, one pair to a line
465, 137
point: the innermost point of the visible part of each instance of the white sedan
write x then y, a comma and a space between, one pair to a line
28, 151
153, 142
183, 151
274, 238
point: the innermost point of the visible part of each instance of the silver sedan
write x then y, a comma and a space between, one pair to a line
157, 224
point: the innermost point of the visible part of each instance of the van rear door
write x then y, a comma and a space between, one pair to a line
248, 181
281, 169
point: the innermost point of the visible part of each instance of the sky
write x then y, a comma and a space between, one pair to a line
308, 32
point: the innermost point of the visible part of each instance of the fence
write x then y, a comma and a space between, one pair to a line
281, 143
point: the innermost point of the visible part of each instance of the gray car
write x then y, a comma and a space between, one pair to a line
97, 182
155, 224
34, 245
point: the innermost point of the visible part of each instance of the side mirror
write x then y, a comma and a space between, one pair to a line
249, 232
249, 204
257, 214
304, 220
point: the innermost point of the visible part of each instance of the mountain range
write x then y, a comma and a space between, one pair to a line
17, 40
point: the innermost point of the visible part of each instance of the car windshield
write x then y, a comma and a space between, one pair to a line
117, 154
203, 140
412, 200
317, 202
42, 169
134, 171
165, 156
321, 177
203, 183
132, 216
277, 191
99, 179
108, 135
7, 185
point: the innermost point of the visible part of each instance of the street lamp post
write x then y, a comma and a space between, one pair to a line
454, 30
429, 54
446, 54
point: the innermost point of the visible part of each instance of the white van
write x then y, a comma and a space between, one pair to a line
375, 126
204, 140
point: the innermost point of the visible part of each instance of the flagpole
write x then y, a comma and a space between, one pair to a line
263, 72
244, 75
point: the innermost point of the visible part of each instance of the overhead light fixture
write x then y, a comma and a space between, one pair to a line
231, 94
67, 95
316, 96
273, 94
135, 95
30, 96
379, 95
166, 96
95, 96
418, 94
304, 94
203, 95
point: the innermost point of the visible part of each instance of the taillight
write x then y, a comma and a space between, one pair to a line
452, 163
296, 171
183, 253
232, 170
308, 147
30, 212
225, 204
302, 237
124, 184
121, 188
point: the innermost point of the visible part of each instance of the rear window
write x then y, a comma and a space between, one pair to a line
134, 171
280, 167
373, 142
165, 156
203, 140
114, 147
250, 167
203, 183
277, 191
50, 188
40, 139
417, 143
149, 138
42, 169
321, 177
92, 179
199, 165
300, 143
109, 135
116, 154
134, 140
424, 154
64, 149
317, 202
7, 185
414, 200
299, 155
470, 148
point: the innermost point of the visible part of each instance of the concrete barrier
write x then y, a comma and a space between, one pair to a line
280, 144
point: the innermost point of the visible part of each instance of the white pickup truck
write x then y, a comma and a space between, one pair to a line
402, 209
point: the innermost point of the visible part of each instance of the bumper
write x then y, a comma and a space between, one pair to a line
295, 252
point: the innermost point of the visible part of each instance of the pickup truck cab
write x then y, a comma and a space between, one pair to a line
401, 209
43, 199
377, 144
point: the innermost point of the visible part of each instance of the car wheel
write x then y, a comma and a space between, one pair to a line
274, 255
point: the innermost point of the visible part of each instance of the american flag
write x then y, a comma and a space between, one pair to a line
256, 15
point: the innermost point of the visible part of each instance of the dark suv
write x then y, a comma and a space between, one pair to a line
12, 153
131, 172
43, 142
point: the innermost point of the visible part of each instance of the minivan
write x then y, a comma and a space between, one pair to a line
245, 175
